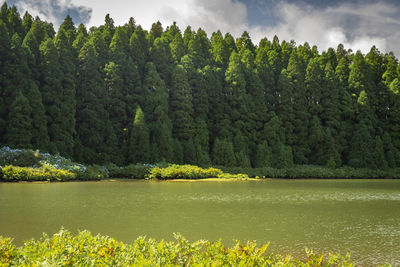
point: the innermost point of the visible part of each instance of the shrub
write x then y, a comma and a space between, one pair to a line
183, 172
92, 172
190, 172
84, 249
19, 157
44, 173
136, 171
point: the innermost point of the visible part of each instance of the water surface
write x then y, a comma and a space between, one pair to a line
357, 216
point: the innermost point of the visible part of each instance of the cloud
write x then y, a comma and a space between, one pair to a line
53, 10
210, 15
358, 25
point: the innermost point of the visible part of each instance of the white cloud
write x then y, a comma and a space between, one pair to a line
53, 10
357, 26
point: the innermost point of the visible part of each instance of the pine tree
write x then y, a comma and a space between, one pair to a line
237, 97
390, 151
219, 50
199, 48
331, 157
263, 156
361, 153
180, 105
330, 113
81, 37
177, 152
161, 56
380, 159
314, 83
67, 59
20, 124
296, 72
285, 159
139, 48
284, 106
223, 154
316, 138
51, 76
155, 104
96, 141
394, 113
22, 78
139, 146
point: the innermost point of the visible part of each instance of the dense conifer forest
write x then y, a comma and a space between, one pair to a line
125, 95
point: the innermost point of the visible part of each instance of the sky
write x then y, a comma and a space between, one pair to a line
357, 24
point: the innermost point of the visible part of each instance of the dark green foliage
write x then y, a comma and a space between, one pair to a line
380, 159
23, 158
263, 156
139, 146
96, 139
219, 100
20, 123
180, 105
285, 159
223, 154
362, 150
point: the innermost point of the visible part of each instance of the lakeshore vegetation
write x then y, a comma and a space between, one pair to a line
66, 249
125, 96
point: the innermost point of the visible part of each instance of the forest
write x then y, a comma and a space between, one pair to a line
125, 95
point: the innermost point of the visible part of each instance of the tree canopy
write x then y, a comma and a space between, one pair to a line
123, 94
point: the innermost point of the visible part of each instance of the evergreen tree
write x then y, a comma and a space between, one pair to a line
219, 50
285, 159
263, 156
96, 141
20, 123
296, 72
380, 159
139, 146
177, 152
361, 153
156, 105
223, 154
331, 158
161, 56
180, 105
139, 48
51, 76
22, 78
63, 43
394, 113
390, 151
284, 105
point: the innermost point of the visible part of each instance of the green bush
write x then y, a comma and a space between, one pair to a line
44, 173
84, 249
92, 172
313, 171
183, 172
190, 172
19, 157
135, 171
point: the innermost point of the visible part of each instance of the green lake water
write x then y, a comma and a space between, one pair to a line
357, 216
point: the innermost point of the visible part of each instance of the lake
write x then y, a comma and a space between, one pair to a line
357, 216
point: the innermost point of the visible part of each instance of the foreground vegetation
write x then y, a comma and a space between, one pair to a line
84, 249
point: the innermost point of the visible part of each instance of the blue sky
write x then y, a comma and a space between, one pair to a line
355, 23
